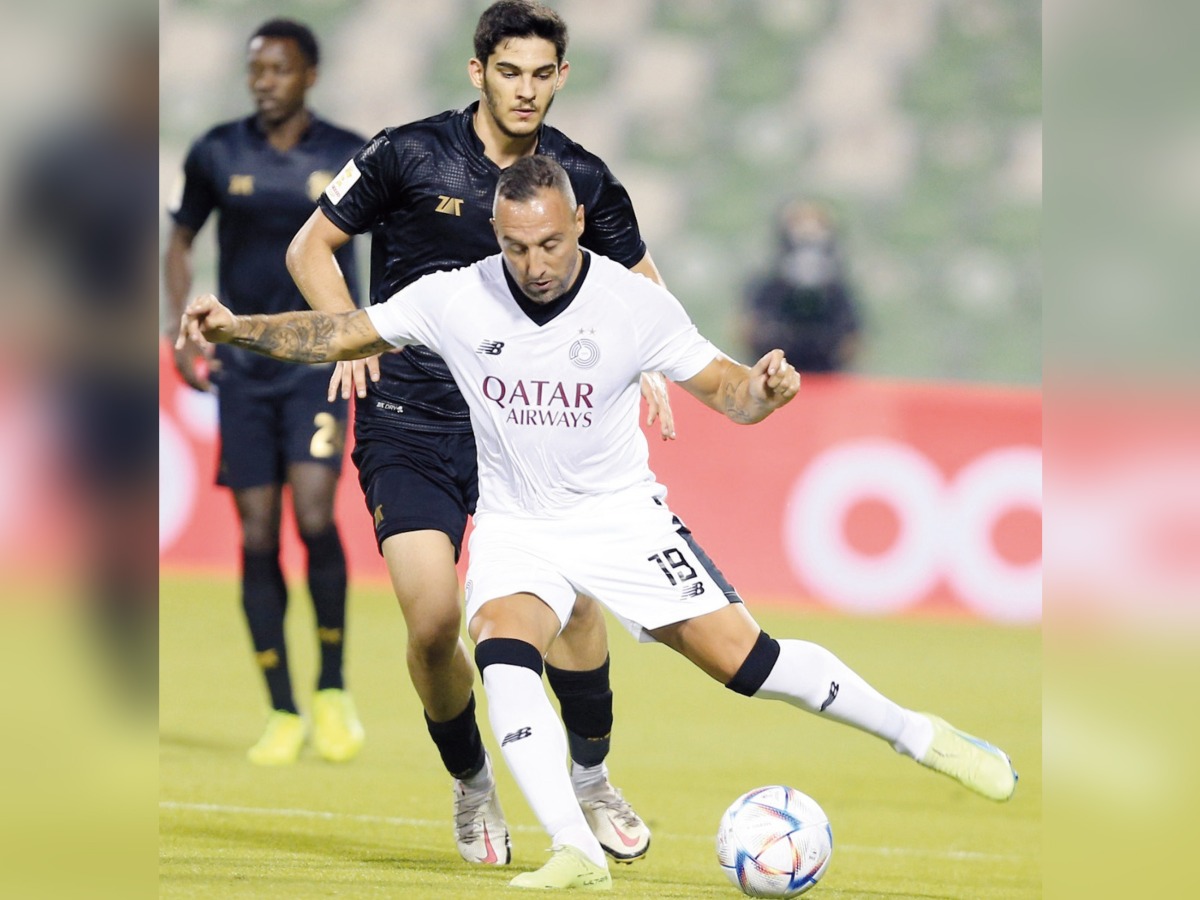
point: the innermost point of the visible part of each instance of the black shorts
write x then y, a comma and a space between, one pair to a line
416, 481
263, 432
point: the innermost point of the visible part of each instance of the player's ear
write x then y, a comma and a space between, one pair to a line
475, 73
563, 68
579, 220
310, 78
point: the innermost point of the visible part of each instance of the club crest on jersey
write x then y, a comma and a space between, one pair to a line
241, 185
316, 184
584, 353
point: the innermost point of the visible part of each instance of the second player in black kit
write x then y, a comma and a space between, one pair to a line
425, 191
263, 174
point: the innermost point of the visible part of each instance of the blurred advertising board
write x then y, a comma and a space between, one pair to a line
863, 496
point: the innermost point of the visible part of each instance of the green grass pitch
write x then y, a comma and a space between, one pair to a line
683, 749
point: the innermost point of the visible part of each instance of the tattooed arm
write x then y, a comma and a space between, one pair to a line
745, 395
306, 337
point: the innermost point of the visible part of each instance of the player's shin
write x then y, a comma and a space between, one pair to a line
808, 676
586, 700
532, 740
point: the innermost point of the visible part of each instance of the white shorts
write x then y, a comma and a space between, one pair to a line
639, 561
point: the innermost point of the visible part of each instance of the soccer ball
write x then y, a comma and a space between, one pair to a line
774, 842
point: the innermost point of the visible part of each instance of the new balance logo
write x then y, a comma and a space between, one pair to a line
451, 206
491, 348
692, 590
514, 736
833, 692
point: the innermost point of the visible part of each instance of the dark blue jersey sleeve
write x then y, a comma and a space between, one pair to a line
200, 196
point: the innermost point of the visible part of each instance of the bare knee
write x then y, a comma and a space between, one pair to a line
433, 638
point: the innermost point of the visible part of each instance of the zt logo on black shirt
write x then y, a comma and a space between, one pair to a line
491, 348
451, 206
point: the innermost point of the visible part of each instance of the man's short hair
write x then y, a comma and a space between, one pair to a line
296, 31
518, 19
530, 174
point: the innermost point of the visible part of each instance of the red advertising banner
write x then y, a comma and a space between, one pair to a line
864, 496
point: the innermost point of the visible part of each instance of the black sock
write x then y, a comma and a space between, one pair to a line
586, 703
264, 599
459, 742
327, 584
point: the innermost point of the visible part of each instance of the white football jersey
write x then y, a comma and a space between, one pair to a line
554, 407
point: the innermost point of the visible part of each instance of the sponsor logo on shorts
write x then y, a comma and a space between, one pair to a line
692, 590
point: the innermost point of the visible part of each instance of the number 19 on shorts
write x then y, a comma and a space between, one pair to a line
673, 565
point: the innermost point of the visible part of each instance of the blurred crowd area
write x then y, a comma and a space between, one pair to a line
917, 122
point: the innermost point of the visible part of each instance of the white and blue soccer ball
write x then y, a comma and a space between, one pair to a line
774, 842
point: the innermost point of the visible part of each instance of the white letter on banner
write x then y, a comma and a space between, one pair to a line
1000, 481
844, 475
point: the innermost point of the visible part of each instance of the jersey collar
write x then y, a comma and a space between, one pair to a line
467, 127
541, 313
256, 130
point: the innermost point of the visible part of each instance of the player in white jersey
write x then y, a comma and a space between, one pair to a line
542, 344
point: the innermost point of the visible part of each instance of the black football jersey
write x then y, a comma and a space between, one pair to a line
425, 190
262, 196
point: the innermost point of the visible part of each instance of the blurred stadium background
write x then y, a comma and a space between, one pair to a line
919, 124
918, 121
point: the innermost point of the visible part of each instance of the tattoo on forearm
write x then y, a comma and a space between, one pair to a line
310, 337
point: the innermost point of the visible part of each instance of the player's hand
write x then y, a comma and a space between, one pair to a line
773, 380
658, 404
350, 377
205, 321
195, 363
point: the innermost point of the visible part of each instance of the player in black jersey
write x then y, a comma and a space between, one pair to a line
425, 192
263, 175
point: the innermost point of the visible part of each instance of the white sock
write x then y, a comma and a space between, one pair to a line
810, 677
584, 778
534, 745
483, 780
